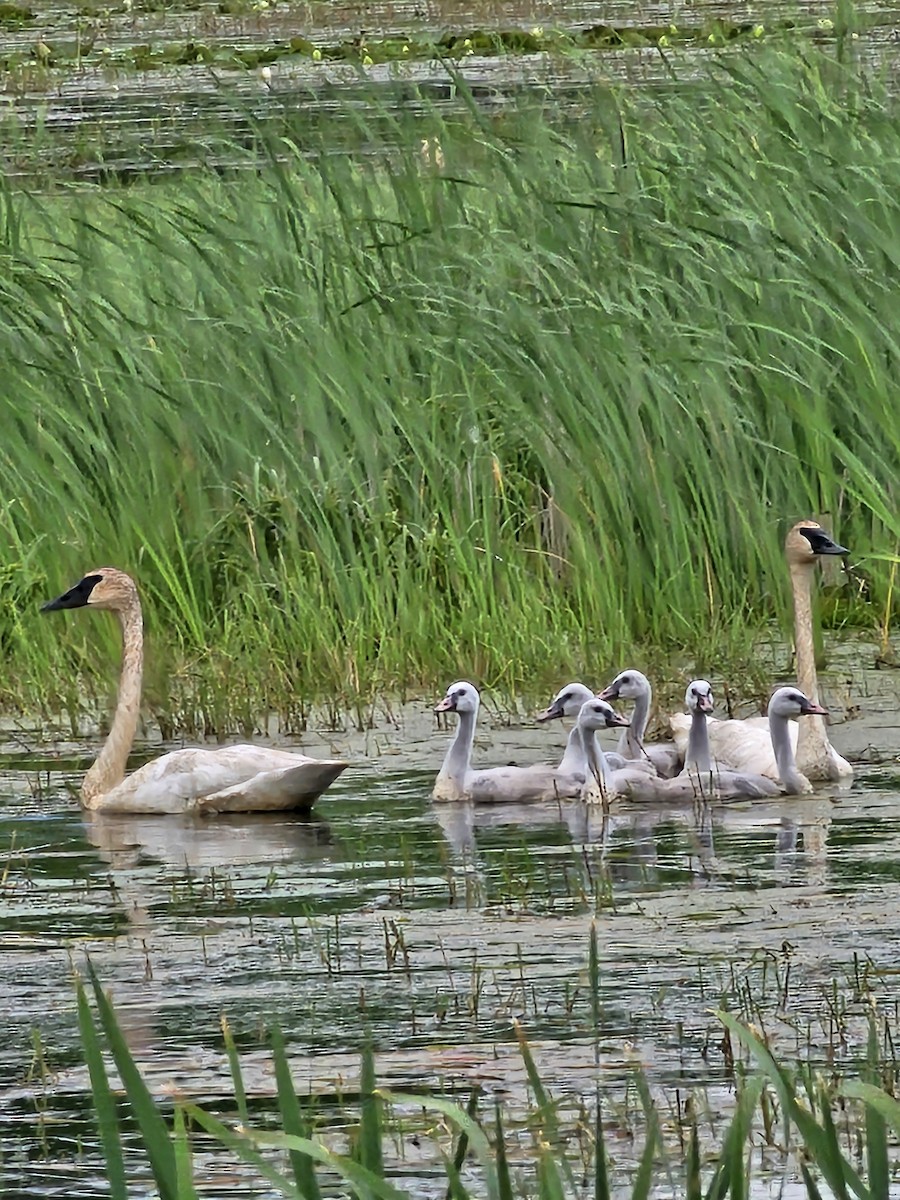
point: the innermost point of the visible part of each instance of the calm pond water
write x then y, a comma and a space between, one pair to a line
435, 927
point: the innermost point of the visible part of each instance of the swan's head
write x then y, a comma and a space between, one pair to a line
460, 697
791, 702
627, 685
699, 696
806, 541
597, 714
106, 587
567, 702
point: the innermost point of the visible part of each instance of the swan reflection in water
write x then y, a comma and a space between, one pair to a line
638, 832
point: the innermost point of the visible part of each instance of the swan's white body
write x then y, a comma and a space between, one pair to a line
568, 702
666, 757
241, 778
457, 780
746, 745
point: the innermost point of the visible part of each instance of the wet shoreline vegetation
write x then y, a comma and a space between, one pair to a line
818, 1128
528, 409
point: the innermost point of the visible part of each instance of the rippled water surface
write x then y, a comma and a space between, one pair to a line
79, 99
435, 927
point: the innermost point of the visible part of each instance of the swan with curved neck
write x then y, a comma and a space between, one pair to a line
241, 778
568, 702
633, 685
745, 745
458, 780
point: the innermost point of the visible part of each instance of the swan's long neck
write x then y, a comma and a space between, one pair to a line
698, 757
813, 747
631, 742
596, 762
458, 758
794, 782
572, 762
109, 767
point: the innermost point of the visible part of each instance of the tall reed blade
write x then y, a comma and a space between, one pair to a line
104, 1103
292, 1118
152, 1128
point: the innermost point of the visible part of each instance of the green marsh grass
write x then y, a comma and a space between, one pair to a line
836, 1132
359, 426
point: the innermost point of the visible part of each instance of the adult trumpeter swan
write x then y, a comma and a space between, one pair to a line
457, 780
633, 685
746, 745
228, 779
568, 702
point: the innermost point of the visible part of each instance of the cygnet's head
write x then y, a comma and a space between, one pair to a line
460, 697
567, 702
806, 541
791, 702
627, 685
699, 696
596, 714
107, 587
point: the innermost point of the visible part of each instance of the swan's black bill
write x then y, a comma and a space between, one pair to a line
76, 597
609, 693
551, 713
448, 704
821, 543
808, 709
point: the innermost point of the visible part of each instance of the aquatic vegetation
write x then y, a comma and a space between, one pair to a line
357, 421
825, 1127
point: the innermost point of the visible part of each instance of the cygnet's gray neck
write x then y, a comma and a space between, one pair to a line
631, 742
596, 763
794, 782
698, 757
458, 758
573, 760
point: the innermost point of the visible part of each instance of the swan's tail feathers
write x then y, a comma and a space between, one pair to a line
281, 790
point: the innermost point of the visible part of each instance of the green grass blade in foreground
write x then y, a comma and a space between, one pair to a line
812, 1188
643, 1180
821, 1141
550, 1185
731, 1175
465, 1122
889, 1110
101, 1094
184, 1165
154, 1132
244, 1144
878, 1165
504, 1181
244, 1148
237, 1077
693, 1188
546, 1113
455, 1189
601, 1167
291, 1117
369, 1150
